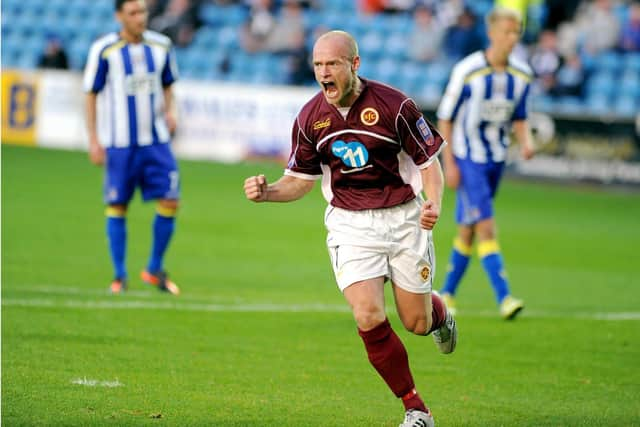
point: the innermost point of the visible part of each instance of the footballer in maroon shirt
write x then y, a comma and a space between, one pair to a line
375, 153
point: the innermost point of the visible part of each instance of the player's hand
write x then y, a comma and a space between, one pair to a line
452, 176
96, 153
527, 151
255, 188
429, 214
172, 123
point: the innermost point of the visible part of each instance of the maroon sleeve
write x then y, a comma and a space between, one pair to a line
419, 138
304, 157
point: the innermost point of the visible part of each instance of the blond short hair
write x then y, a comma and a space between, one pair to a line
499, 13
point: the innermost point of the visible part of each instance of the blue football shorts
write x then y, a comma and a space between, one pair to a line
153, 168
478, 186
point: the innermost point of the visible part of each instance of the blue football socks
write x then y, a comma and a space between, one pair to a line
458, 262
491, 258
163, 228
117, 234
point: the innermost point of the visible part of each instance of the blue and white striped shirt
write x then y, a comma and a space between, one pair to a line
482, 104
129, 80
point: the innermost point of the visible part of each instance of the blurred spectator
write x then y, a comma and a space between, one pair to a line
427, 35
288, 31
179, 21
399, 6
370, 7
545, 61
464, 37
598, 26
54, 55
630, 39
446, 12
570, 78
267, 32
259, 26
300, 63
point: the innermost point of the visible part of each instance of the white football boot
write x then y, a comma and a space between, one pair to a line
446, 336
415, 418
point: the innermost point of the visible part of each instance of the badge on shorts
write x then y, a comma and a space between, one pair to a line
424, 273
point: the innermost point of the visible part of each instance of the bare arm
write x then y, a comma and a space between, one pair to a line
96, 152
451, 171
286, 189
433, 184
170, 109
524, 137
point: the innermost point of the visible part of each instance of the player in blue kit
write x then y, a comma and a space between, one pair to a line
130, 119
486, 96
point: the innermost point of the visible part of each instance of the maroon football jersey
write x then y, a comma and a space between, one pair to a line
369, 159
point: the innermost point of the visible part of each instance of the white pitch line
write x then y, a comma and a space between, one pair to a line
274, 308
96, 383
129, 305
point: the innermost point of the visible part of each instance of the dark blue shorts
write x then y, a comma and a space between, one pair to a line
478, 186
153, 168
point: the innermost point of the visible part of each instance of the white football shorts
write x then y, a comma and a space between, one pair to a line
385, 242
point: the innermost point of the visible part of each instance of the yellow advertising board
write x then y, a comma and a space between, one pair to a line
19, 107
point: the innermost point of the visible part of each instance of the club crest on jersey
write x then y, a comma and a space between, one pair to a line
353, 154
369, 116
321, 124
424, 130
424, 273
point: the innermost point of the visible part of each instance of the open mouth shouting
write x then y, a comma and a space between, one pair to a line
330, 90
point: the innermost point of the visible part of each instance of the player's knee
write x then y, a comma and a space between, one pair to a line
418, 325
116, 211
368, 317
167, 207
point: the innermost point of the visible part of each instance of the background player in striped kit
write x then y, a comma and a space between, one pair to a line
485, 97
375, 152
130, 119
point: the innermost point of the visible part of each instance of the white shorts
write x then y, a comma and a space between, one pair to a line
381, 242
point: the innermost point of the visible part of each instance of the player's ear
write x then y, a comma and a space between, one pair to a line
355, 64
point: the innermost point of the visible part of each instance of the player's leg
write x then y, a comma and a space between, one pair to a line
493, 264
119, 185
163, 229
160, 181
458, 263
471, 186
117, 236
385, 350
489, 249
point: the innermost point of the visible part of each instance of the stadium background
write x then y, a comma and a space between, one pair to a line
261, 336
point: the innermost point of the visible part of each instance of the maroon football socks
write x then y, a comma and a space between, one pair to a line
389, 357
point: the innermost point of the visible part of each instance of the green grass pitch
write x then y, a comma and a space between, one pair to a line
262, 337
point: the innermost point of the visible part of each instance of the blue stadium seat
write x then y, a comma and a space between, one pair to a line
571, 105
632, 61
627, 106
371, 46
211, 15
438, 72
609, 61
395, 46
629, 85
206, 38
228, 38
598, 104
542, 103
386, 70
601, 83
429, 93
